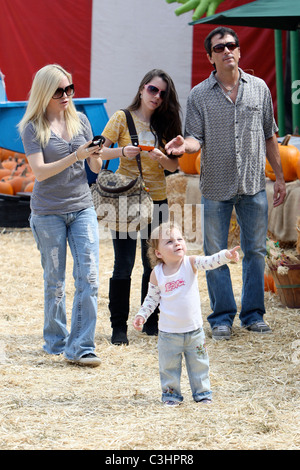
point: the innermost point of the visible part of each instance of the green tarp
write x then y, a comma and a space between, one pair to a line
273, 14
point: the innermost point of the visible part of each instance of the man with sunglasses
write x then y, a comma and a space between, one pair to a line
230, 116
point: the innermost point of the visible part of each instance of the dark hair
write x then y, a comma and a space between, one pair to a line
222, 31
166, 120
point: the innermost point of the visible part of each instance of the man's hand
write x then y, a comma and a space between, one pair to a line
176, 146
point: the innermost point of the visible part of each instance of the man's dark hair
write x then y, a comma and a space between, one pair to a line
221, 31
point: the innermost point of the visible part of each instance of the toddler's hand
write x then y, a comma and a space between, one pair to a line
138, 322
233, 254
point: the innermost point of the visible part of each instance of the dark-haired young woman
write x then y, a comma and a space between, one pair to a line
156, 114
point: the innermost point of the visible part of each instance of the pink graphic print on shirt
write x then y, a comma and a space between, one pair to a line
174, 285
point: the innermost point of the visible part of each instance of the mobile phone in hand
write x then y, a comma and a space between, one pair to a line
97, 140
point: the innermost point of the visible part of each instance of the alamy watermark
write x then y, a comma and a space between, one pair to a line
296, 93
126, 220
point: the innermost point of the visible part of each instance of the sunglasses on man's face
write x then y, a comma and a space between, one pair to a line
153, 90
69, 91
231, 46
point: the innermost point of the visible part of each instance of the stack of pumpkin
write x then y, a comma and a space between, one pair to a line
15, 173
189, 163
290, 161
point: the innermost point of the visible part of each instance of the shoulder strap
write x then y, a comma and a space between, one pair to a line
131, 128
134, 137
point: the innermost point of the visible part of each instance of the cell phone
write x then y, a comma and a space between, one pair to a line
97, 140
146, 148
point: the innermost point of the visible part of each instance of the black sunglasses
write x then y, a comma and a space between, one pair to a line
153, 90
69, 91
231, 46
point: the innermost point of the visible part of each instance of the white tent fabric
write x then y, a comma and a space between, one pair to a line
131, 37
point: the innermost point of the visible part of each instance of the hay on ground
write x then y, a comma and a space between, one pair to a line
47, 403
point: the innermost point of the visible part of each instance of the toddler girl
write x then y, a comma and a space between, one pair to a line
173, 285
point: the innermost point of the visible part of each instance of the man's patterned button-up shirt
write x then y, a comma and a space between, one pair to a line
232, 135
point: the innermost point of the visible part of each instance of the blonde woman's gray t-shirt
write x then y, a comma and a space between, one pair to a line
67, 191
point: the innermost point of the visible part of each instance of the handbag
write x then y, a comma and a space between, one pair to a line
123, 204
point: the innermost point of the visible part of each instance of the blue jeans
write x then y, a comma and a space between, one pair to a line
252, 217
171, 347
52, 232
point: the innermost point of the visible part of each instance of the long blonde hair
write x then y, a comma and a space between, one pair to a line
44, 85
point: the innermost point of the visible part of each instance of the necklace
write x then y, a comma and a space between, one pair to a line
226, 91
58, 132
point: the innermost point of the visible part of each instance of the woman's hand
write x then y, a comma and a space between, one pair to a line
84, 151
166, 162
92, 155
157, 156
130, 151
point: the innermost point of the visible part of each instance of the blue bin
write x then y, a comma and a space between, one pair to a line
11, 112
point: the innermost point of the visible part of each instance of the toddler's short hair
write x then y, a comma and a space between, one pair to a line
160, 232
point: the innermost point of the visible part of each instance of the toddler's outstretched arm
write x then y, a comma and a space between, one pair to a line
216, 260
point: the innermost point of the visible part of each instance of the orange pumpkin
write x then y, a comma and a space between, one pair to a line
289, 156
6, 188
269, 283
198, 163
187, 162
19, 183
20, 156
5, 154
29, 187
9, 164
4, 172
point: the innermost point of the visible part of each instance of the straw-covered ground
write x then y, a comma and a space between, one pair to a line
46, 403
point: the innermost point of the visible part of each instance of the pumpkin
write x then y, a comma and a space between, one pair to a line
19, 183
269, 283
289, 156
10, 164
29, 187
198, 163
5, 154
187, 162
4, 172
6, 188
20, 157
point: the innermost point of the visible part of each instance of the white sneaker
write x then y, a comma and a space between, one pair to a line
87, 360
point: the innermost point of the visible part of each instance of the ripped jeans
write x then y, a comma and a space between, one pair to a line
52, 233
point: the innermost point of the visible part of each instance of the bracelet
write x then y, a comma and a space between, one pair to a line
75, 153
123, 151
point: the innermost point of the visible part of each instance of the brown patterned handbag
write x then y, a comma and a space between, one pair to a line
123, 204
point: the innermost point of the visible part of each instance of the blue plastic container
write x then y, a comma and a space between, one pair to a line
11, 112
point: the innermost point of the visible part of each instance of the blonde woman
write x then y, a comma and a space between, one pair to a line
56, 140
